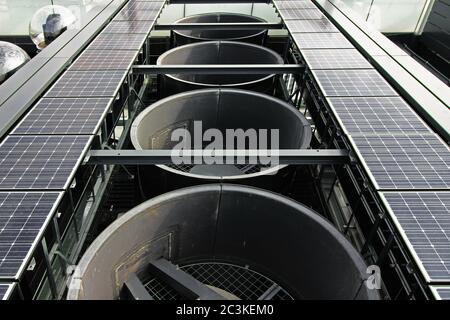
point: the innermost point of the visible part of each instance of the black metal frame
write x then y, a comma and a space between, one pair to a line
159, 157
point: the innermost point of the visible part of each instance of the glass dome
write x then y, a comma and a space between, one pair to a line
12, 58
48, 23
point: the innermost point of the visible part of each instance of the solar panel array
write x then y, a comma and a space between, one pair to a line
38, 160
377, 115
441, 292
406, 162
6, 290
424, 218
91, 60
335, 59
23, 217
63, 116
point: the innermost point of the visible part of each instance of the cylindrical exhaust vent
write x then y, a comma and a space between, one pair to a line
245, 112
182, 37
209, 240
218, 52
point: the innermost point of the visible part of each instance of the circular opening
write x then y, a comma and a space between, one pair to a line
216, 226
219, 52
230, 111
220, 17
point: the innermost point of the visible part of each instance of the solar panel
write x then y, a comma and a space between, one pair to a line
23, 218
319, 40
294, 4
441, 292
353, 83
335, 59
104, 60
377, 115
322, 25
141, 5
64, 116
5, 290
40, 162
136, 15
301, 14
87, 84
118, 41
423, 220
128, 27
405, 162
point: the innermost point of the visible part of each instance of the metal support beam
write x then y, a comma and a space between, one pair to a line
154, 157
270, 293
183, 283
135, 290
219, 26
220, 69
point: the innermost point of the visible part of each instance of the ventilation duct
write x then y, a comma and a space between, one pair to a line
218, 226
182, 37
218, 52
220, 109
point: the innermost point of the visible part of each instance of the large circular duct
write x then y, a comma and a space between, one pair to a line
222, 109
218, 52
12, 58
206, 229
182, 37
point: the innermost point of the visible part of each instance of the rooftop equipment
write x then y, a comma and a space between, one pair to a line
182, 37
218, 52
221, 109
283, 248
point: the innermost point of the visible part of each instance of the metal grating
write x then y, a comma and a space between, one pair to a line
242, 282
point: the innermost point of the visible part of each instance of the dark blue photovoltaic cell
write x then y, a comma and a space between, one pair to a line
40, 162
353, 83
405, 162
87, 84
423, 220
5, 290
64, 116
23, 216
441, 292
335, 59
377, 115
